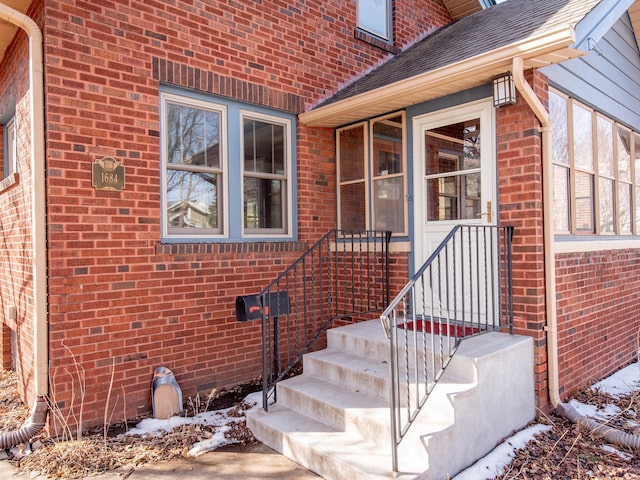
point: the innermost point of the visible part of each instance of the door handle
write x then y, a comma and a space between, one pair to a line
487, 213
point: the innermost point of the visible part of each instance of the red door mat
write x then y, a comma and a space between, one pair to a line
438, 328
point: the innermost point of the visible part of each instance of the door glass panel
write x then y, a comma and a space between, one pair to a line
452, 171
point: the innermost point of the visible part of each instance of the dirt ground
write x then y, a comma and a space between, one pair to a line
565, 452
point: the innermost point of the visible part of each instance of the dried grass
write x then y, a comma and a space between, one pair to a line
96, 453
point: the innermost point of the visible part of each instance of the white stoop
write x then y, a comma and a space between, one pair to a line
334, 418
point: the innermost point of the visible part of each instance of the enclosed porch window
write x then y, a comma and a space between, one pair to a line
372, 175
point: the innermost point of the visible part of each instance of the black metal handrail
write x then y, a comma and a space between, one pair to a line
344, 274
463, 289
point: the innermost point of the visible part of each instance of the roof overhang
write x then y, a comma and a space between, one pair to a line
8, 30
634, 15
547, 48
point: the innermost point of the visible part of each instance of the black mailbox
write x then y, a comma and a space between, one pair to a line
249, 307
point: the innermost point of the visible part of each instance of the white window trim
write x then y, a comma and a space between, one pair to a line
388, 36
288, 203
214, 107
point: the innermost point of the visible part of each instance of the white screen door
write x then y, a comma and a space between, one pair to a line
455, 184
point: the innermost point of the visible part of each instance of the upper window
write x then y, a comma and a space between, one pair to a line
227, 171
9, 151
596, 171
374, 16
372, 175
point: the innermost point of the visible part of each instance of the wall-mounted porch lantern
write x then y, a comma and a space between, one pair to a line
504, 90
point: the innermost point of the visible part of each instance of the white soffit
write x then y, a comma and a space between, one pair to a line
7, 29
554, 46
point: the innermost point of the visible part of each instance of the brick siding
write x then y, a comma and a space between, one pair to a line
598, 315
520, 205
16, 287
118, 298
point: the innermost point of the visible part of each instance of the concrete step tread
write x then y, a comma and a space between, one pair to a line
348, 451
378, 367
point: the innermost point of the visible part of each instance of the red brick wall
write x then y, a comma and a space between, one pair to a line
117, 296
598, 315
16, 287
520, 205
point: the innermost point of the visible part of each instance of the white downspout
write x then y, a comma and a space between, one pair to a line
38, 192
549, 250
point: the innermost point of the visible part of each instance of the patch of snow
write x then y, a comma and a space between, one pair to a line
492, 464
221, 419
623, 382
623, 455
594, 411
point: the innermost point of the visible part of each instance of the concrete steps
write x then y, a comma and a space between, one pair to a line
334, 418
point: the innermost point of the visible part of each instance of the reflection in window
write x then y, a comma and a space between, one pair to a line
452, 167
374, 16
264, 175
599, 179
205, 199
371, 181
193, 175
8, 148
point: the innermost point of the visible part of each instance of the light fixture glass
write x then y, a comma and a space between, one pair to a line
504, 90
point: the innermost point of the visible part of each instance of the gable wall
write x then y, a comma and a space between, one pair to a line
608, 78
118, 298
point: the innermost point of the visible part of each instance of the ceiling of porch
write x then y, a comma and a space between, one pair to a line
8, 30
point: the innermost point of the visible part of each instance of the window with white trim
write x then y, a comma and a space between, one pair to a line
227, 171
596, 171
372, 175
9, 150
375, 17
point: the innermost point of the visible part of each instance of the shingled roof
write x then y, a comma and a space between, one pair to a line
515, 28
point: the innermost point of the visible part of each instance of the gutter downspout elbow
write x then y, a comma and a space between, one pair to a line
549, 250
38, 217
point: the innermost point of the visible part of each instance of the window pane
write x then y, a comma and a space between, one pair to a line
636, 154
192, 200
351, 153
637, 209
373, 17
607, 201
624, 204
582, 138
584, 202
353, 206
264, 147
624, 155
193, 136
387, 147
264, 203
452, 148
388, 204
561, 199
559, 135
454, 197
605, 147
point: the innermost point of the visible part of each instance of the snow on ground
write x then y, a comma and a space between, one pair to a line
621, 383
219, 419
